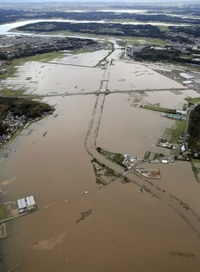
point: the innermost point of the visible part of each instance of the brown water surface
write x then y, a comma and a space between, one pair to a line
123, 230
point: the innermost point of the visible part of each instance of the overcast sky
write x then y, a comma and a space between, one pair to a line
102, 1
122, 1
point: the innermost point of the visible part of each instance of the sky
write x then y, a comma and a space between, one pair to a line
59, 1
100, 1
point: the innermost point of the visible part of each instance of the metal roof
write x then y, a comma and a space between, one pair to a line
21, 203
30, 200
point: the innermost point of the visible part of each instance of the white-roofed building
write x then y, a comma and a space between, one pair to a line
22, 205
26, 204
31, 204
186, 76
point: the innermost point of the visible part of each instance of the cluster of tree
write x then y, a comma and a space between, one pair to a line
194, 129
152, 54
3, 128
10, 15
191, 8
3, 112
188, 30
19, 107
186, 34
22, 106
115, 29
169, 54
33, 47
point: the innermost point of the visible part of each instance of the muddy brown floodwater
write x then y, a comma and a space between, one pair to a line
78, 226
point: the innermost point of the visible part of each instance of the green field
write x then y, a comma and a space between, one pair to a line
9, 92
176, 131
193, 100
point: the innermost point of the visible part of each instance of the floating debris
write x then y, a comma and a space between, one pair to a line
45, 133
182, 254
84, 215
164, 143
140, 191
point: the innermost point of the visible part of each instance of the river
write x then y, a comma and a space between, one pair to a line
51, 159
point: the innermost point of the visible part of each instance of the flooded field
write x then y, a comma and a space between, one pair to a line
59, 77
79, 225
91, 60
174, 99
51, 79
130, 130
131, 76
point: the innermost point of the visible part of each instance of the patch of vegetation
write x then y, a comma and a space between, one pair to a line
9, 92
116, 157
11, 67
185, 106
152, 156
144, 41
39, 57
109, 172
14, 14
36, 46
194, 129
195, 163
171, 54
147, 155
3, 213
100, 181
157, 156
160, 109
193, 100
9, 71
22, 106
104, 175
19, 107
115, 29
176, 131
